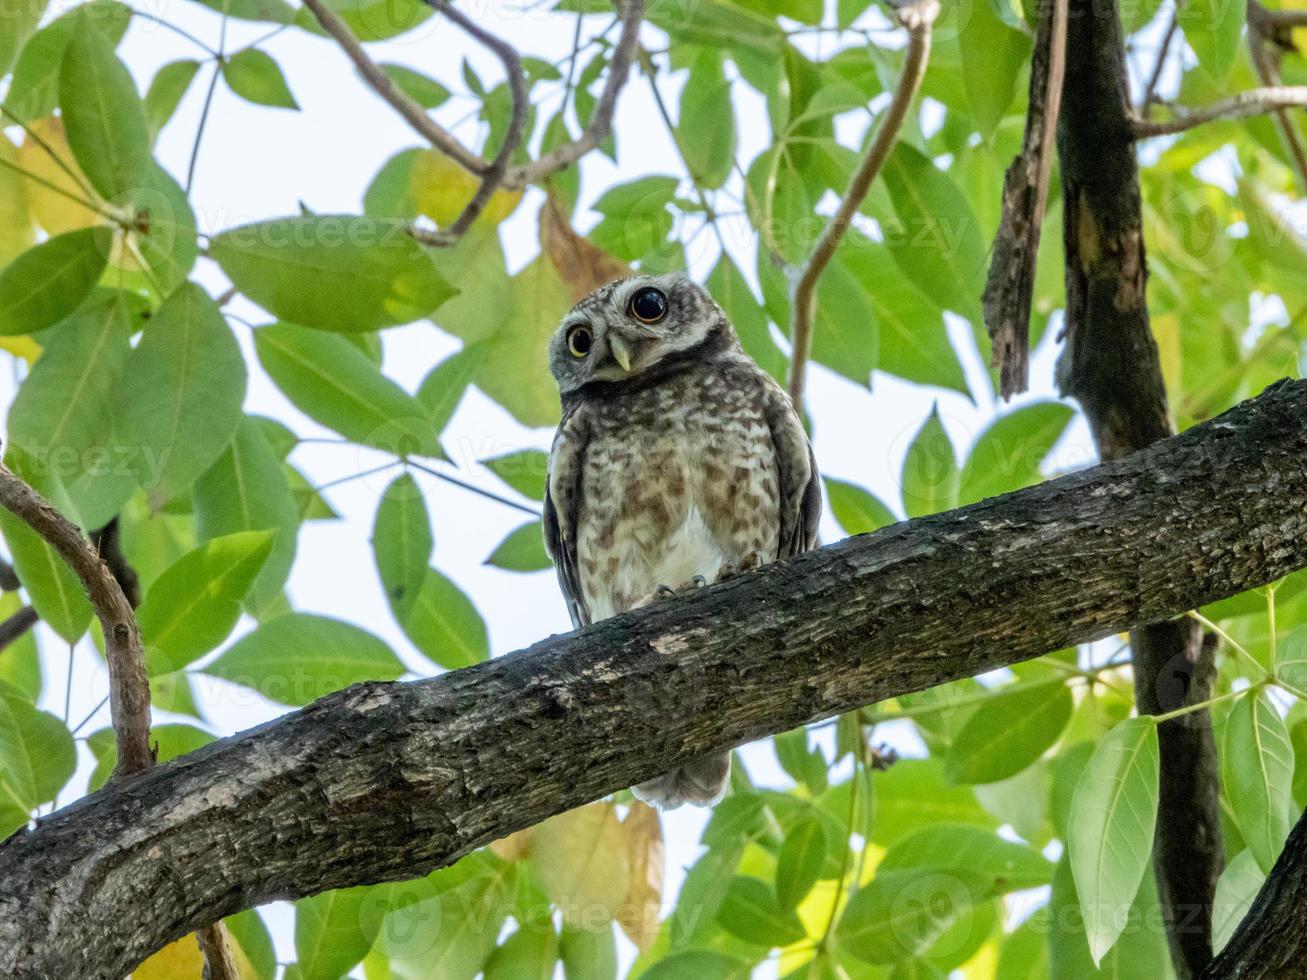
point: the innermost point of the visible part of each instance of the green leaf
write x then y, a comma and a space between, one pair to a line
749, 910
1110, 836
184, 401
942, 916
37, 758
256, 77
166, 91
422, 89
930, 471
993, 55
1213, 29
194, 605
34, 89
523, 550
444, 624
328, 939
803, 854
168, 741
1290, 662
1006, 866
1008, 454
1257, 775
1238, 885
369, 20
588, 954
20, 667
169, 244
402, 543
728, 287
936, 239
913, 791
297, 658
525, 471
50, 280
444, 386
856, 510
706, 130
333, 272
1140, 952
698, 964
55, 592
1008, 732
60, 413
531, 953
846, 332
330, 380
1024, 955
103, 115
18, 19
246, 490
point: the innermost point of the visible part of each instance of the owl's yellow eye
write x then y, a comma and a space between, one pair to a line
649, 305
579, 341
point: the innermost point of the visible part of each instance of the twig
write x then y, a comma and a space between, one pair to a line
493, 177
16, 626
412, 113
1261, 30
918, 17
1150, 90
1253, 102
108, 543
1283, 19
129, 689
473, 488
631, 13
1010, 285
8, 579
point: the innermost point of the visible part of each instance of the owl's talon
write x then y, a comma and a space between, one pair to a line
664, 592
698, 581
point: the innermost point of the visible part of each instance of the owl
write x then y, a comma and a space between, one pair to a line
678, 463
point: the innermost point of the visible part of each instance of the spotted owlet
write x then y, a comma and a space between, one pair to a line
678, 462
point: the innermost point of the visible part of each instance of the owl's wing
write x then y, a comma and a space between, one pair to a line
562, 497
800, 483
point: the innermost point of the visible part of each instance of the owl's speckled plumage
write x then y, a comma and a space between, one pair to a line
687, 464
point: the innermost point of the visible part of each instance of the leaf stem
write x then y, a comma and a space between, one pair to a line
1238, 647
1189, 709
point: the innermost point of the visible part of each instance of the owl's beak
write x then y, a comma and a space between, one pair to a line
621, 353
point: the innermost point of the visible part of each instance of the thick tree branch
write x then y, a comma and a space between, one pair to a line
918, 17
388, 781
129, 690
1254, 102
1010, 286
1270, 943
1111, 366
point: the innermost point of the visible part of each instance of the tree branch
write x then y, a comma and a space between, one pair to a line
17, 626
1264, 32
386, 781
1254, 102
129, 690
1010, 285
631, 13
1269, 942
412, 113
918, 17
1110, 365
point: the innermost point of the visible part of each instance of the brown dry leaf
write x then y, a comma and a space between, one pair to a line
582, 265
514, 847
638, 912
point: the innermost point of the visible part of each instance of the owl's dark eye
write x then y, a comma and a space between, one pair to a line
579, 341
649, 305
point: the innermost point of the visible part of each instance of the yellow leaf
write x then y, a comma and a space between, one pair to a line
638, 912
1166, 330
43, 151
24, 347
16, 232
182, 960
513, 847
441, 189
581, 861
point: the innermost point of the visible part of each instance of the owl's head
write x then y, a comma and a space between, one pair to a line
628, 327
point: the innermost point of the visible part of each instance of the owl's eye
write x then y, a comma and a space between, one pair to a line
579, 341
649, 305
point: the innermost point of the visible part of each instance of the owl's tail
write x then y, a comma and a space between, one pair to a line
700, 781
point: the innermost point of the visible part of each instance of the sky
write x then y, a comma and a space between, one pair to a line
258, 162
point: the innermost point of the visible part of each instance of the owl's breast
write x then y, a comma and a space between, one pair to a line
674, 495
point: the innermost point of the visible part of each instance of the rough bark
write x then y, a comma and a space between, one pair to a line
1270, 943
388, 781
1110, 365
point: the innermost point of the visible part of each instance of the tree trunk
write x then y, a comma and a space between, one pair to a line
388, 781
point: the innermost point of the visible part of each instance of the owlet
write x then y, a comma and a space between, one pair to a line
678, 462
